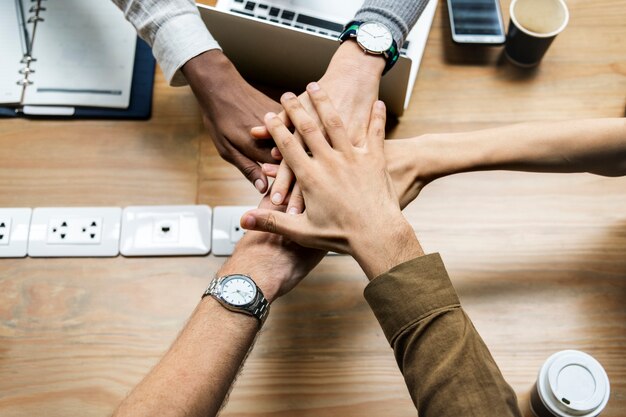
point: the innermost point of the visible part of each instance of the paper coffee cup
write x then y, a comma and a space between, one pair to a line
570, 384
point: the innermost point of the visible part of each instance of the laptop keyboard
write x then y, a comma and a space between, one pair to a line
264, 11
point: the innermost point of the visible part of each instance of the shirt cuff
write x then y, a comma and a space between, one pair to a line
409, 292
177, 41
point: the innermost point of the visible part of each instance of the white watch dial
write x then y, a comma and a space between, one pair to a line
238, 290
374, 37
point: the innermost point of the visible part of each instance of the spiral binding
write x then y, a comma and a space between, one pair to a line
35, 17
27, 59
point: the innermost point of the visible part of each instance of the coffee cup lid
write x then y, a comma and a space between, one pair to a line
573, 383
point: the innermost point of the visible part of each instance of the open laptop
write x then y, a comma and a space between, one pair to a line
289, 43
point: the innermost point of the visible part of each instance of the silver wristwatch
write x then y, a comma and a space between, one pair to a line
239, 293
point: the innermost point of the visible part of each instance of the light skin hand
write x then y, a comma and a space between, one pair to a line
195, 375
267, 253
597, 146
230, 108
411, 163
352, 81
351, 204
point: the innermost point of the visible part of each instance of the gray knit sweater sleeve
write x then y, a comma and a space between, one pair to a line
398, 15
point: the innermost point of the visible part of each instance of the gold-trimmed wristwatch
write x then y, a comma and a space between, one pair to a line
239, 293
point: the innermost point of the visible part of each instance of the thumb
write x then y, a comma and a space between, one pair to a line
251, 170
261, 132
272, 221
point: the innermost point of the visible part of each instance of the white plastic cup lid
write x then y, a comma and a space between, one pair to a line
573, 383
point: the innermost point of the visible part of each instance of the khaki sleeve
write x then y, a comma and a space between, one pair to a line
445, 363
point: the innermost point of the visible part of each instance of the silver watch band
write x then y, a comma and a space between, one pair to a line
259, 307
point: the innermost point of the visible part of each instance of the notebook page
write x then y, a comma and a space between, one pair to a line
12, 49
85, 52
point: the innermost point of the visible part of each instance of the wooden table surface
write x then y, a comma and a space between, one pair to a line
539, 260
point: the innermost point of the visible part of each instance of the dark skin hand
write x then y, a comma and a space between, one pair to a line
230, 108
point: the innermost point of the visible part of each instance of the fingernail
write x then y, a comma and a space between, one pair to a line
380, 105
293, 210
249, 222
277, 198
314, 86
259, 185
289, 96
270, 115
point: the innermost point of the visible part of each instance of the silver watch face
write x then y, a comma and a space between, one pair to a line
374, 36
238, 290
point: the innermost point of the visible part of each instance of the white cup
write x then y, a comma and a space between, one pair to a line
570, 384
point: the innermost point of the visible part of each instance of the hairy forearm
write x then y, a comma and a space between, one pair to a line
194, 376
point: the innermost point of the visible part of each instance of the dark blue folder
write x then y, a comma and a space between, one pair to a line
140, 105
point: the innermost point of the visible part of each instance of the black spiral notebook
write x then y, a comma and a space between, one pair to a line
72, 58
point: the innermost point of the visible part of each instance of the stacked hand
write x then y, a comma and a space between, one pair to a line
351, 205
352, 81
276, 263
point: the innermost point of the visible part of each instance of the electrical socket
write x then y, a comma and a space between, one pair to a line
226, 229
5, 230
236, 231
74, 231
166, 230
14, 227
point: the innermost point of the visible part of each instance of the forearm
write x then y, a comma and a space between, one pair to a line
593, 145
194, 376
442, 357
447, 367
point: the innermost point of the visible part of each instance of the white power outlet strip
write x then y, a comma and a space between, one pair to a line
226, 228
74, 231
166, 230
14, 226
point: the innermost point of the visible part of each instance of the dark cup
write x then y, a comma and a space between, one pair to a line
533, 26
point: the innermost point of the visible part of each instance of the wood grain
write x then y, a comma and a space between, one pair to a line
539, 260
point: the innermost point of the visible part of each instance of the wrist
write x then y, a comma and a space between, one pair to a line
252, 259
264, 279
385, 247
208, 72
439, 155
350, 59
